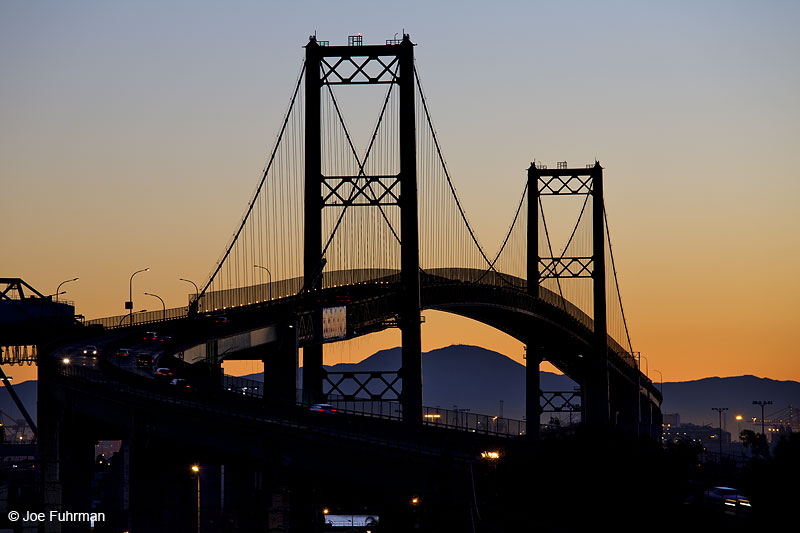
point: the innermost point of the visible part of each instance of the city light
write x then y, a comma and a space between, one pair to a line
195, 468
65, 360
431, 416
490, 455
325, 511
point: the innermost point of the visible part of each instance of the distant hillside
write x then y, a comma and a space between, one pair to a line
693, 400
465, 376
27, 391
477, 379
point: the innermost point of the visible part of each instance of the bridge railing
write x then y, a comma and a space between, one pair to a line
390, 410
473, 422
112, 322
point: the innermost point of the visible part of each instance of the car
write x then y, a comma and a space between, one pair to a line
164, 339
220, 319
144, 359
162, 373
150, 336
123, 352
728, 499
323, 408
179, 382
90, 350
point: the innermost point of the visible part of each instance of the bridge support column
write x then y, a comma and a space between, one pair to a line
312, 228
280, 369
48, 419
598, 408
409, 229
533, 409
312, 374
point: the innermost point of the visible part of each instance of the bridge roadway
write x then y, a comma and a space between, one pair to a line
165, 428
552, 328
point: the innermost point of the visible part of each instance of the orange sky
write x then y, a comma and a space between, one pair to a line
133, 136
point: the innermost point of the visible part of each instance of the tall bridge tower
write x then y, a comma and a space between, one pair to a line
354, 65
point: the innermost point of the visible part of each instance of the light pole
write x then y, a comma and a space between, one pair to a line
63, 282
126, 316
646, 367
660, 383
163, 305
196, 290
129, 303
196, 470
719, 410
269, 287
762, 404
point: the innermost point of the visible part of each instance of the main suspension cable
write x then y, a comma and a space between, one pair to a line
260, 185
616, 281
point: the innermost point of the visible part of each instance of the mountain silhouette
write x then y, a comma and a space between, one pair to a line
477, 379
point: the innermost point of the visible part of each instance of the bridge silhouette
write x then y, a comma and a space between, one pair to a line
384, 237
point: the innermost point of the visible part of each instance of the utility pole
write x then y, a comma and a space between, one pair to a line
762, 404
719, 410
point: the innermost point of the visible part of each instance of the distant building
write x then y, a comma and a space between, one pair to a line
706, 436
673, 420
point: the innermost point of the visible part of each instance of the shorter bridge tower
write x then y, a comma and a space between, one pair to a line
570, 181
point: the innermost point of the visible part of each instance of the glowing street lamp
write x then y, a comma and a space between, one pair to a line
196, 471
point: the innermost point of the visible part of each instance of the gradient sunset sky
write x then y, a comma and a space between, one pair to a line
132, 135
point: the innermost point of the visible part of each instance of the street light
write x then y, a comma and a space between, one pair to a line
163, 305
196, 471
719, 410
60, 284
269, 287
660, 383
196, 290
762, 404
126, 316
129, 303
646, 363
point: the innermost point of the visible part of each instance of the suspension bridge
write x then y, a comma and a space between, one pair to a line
341, 240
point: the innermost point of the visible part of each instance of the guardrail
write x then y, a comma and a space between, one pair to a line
390, 410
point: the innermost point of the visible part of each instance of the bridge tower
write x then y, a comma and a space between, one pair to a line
322, 62
571, 181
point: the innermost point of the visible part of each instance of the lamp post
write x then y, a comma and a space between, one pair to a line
196, 471
762, 404
163, 305
719, 410
63, 282
646, 363
269, 287
126, 316
129, 303
196, 291
660, 383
